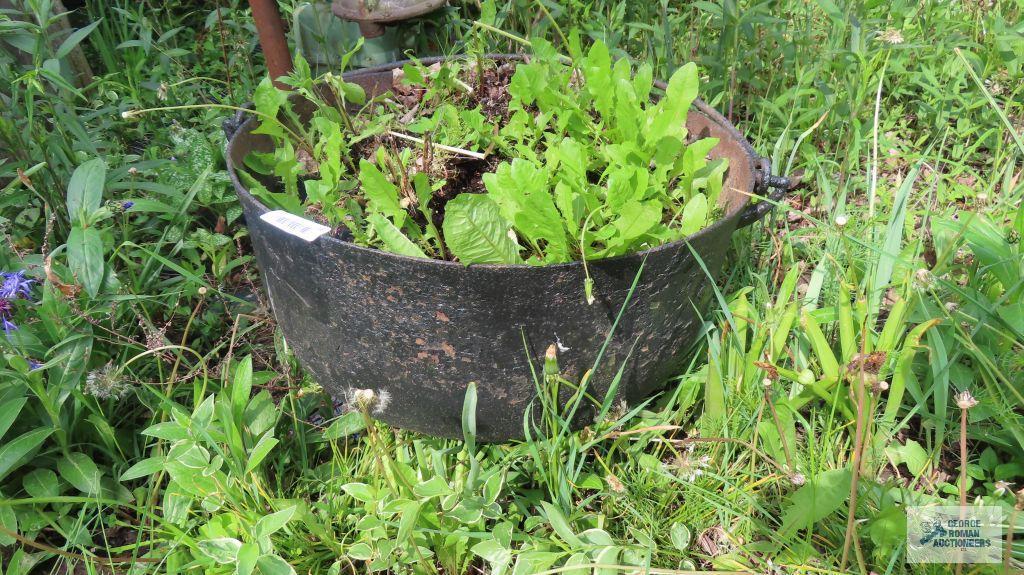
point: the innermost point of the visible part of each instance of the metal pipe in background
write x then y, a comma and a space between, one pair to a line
272, 39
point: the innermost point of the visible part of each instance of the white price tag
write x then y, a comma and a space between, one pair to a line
294, 225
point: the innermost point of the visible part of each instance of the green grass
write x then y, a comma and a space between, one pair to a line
907, 120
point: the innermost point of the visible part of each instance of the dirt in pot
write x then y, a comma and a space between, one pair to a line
505, 162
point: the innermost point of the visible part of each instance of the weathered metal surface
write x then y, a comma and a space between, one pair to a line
420, 330
373, 14
275, 46
384, 11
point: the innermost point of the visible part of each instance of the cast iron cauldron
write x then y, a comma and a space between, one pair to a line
422, 330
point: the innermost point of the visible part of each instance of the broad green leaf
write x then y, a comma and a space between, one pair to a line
269, 100
597, 537
74, 39
597, 71
270, 524
223, 550
41, 483
635, 219
694, 216
888, 528
476, 233
433, 487
12, 452
85, 189
668, 117
241, 386
530, 562
823, 494
608, 556
494, 553
248, 554
680, 536
912, 454
346, 425
9, 521
80, 471
85, 258
176, 504
393, 238
381, 194
579, 560
260, 451
273, 565
408, 515
360, 491
168, 430
520, 189
561, 525
144, 468
9, 411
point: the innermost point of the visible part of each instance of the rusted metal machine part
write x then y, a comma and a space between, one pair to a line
373, 14
272, 39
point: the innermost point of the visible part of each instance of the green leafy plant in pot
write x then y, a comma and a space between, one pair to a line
433, 223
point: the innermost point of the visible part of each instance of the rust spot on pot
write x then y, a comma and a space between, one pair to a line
420, 341
393, 293
426, 356
448, 349
441, 316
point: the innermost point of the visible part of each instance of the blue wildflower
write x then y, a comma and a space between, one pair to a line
6, 308
33, 364
127, 205
15, 285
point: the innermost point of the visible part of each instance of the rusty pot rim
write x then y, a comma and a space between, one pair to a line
699, 105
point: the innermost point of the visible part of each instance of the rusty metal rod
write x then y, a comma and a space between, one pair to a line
271, 31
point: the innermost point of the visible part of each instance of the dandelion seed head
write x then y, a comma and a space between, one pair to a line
965, 400
614, 484
367, 400
924, 278
688, 466
891, 36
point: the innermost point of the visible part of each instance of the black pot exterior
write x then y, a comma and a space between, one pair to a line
418, 331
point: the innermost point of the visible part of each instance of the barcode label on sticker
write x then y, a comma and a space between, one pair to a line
295, 225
